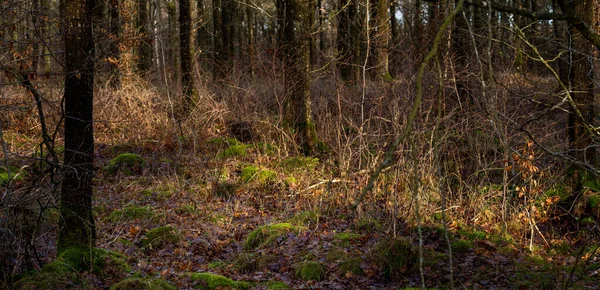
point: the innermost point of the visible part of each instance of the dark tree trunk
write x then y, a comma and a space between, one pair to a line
115, 36
145, 43
224, 37
250, 35
77, 227
185, 37
380, 30
347, 40
294, 24
582, 86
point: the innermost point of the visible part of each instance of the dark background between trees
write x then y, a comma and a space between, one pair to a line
490, 112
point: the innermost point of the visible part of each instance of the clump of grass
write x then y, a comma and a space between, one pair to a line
265, 235
350, 265
251, 262
395, 257
128, 163
159, 237
234, 149
310, 271
305, 218
225, 189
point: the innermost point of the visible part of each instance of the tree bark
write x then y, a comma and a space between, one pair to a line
145, 46
380, 31
294, 24
347, 40
76, 226
115, 36
185, 37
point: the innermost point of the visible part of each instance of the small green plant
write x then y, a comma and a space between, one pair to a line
310, 271
158, 237
265, 235
128, 163
214, 281
305, 218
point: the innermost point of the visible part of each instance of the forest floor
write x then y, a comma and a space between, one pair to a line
239, 211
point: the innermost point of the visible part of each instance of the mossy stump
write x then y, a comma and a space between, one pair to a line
395, 257
310, 271
128, 163
265, 235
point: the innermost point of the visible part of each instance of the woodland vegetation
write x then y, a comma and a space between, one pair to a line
295, 144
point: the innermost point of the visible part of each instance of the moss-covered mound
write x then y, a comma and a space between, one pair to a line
253, 173
265, 235
214, 281
305, 218
133, 212
299, 163
462, 246
63, 272
310, 270
128, 163
347, 238
159, 237
143, 284
234, 149
395, 257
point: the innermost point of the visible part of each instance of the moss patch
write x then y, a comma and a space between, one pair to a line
395, 257
159, 237
300, 163
253, 173
310, 270
143, 284
225, 189
350, 266
214, 281
276, 285
462, 246
128, 163
238, 150
345, 239
133, 212
265, 235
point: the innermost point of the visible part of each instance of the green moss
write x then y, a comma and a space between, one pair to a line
127, 163
345, 239
158, 237
266, 148
214, 281
305, 218
310, 271
133, 212
395, 257
216, 264
238, 150
300, 163
276, 285
473, 235
143, 284
252, 262
290, 181
253, 173
5, 178
265, 235
462, 246
351, 265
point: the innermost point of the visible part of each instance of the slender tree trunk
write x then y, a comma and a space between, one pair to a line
347, 40
145, 45
250, 35
294, 39
380, 31
77, 227
185, 41
115, 36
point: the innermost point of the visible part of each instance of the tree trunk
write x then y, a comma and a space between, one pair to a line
380, 30
77, 227
185, 37
115, 36
347, 40
145, 46
582, 86
294, 24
